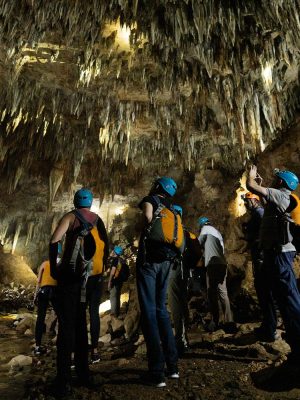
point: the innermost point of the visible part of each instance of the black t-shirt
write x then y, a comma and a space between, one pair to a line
156, 251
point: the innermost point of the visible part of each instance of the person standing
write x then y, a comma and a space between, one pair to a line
251, 231
114, 282
211, 241
94, 286
278, 255
178, 287
80, 226
45, 294
155, 259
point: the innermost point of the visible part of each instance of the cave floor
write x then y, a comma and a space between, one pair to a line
218, 367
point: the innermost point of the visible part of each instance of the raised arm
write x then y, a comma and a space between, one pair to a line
252, 185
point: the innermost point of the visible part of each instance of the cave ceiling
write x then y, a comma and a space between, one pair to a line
101, 91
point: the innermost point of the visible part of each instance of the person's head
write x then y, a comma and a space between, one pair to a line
251, 200
202, 221
118, 250
164, 186
178, 210
285, 179
83, 198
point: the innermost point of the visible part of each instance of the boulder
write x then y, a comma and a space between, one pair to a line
26, 323
105, 339
131, 323
19, 361
105, 322
116, 324
14, 269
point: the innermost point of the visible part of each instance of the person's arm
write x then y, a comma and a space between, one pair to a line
58, 234
252, 185
147, 209
112, 273
104, 237
39, 280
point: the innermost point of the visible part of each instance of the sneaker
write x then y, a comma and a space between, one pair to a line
174, 375
39, 350
95, 358
154, 381
161, 384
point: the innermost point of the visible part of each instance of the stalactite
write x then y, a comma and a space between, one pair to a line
30, 227
16, 236
55, 179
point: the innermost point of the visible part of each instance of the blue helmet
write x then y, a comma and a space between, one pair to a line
83, 198
118, 250
289, 178
168, 185
178, 209
203, 221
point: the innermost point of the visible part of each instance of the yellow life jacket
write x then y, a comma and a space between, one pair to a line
99, 253
295, 213
47, 279
166, 226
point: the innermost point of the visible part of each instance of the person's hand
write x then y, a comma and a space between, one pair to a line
253, 172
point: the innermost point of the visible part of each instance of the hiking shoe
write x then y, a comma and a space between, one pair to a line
95, 358
155, 381
265, 337
39, 350
161, 384
174, 375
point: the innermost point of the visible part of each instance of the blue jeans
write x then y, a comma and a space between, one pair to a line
280, 283
152, 283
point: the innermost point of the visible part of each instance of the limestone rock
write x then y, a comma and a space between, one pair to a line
116, 324
20, 361
27, 323
14, 269
105, 322
105, 339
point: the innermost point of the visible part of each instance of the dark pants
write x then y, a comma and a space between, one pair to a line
265, 301
280, 281
115, 298
93, 299
152, 282
45, 296
72, 334
178, 302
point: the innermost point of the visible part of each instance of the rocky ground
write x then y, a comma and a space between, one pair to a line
220, 366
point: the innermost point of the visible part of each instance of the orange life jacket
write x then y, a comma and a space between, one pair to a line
47, 279
295, 213
166, 226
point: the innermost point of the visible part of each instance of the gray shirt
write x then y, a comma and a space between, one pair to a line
212, 242
278, 201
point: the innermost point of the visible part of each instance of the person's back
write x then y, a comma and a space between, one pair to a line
72, 275
213, 243
274, 231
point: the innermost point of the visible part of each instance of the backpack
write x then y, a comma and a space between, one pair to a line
122, 271
166, 226
80, 248
295, 220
